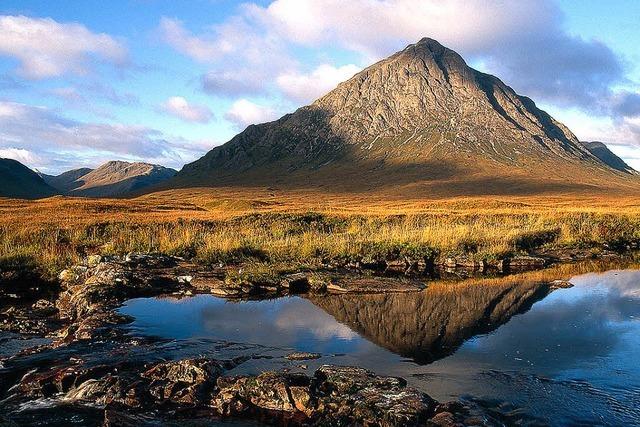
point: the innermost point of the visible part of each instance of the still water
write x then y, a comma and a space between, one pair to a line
523, 352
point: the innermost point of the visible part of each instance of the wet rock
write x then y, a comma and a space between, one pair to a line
450, 414
100, 391
151, 261
444, 419
268, 391
38, 319
303, 356
90, 327
184, 382
92, 291
355, 396
334, 396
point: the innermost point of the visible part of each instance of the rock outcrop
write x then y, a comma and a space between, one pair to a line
334, 395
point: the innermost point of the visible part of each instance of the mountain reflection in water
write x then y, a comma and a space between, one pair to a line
511, 345
432, 324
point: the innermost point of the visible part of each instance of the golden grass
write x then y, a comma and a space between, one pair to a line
267, 226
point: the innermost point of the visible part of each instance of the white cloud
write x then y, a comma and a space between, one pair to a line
23, 156
50, 136
179, 107
232, 83
379, 27
244, 112
307, 87
198, 48
523, 42
46, 48
244, 56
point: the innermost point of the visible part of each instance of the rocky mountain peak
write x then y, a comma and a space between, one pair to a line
420, 114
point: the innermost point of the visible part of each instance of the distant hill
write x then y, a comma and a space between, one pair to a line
18, 181
421, 122
112, 179
66, 181
601, 151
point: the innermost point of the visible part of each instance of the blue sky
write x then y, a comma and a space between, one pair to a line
82, 82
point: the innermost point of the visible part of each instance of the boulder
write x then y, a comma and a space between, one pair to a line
269, 391
184, 382
355, 396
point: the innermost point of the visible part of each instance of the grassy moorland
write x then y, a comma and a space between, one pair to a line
270, 231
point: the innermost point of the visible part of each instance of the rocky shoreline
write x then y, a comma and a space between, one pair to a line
70, 349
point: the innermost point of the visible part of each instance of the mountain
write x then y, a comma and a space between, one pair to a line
432, 324
112, 179
17, 180
601, 151
66, 181
421, 121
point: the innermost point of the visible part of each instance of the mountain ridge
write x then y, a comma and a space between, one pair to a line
420, 116
111, 179
601, 151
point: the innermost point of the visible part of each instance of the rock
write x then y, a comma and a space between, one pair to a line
303, 356
44, 306
67, 275
523, 262
334, 396
355, 396
63, 380
396, 266
318, 283
38, 319
497, 264
444, 419
373, 285
100, 391
561, 284
302, 399
185, 279
295, 283
184, 382
465, 263
269, 391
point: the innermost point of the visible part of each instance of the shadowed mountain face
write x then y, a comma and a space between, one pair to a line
601, 151
421, 116
67, 181
17, 180
111, 179
432, 324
